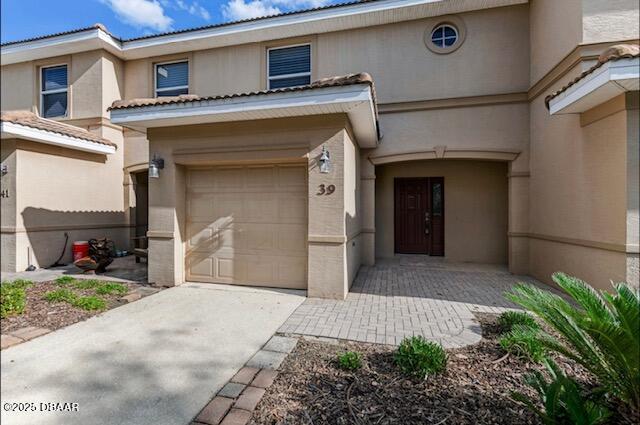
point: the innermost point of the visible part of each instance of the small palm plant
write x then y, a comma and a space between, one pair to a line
602, 332
561, 399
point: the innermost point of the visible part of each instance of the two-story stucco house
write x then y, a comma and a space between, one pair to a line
288, 151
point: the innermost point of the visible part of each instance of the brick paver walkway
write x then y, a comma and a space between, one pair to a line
410, 295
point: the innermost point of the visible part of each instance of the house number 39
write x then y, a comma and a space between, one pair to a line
326, 190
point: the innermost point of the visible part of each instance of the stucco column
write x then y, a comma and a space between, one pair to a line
519, 215
368, 209
167, 198
327, 275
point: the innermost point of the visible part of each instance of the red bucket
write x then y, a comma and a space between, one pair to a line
80, 250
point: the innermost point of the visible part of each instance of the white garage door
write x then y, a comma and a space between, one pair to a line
247, 225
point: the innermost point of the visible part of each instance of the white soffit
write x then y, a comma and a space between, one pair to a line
610, 80
277, 27
9, 130
354, 100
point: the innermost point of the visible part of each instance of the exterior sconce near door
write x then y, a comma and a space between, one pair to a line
155, 165
325, 161
3, 170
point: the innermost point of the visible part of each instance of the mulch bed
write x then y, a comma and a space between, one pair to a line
54, 315
475, 389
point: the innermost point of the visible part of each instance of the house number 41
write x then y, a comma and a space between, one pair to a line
326, 190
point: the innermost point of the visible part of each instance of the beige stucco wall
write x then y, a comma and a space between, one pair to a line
475, 207
611, 20
395, 55
85, 198
331, 263
8, 206
578, 190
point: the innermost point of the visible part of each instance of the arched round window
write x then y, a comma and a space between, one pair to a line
444, 36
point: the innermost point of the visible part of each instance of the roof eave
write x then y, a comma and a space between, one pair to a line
608, 81
10, 130
356, 101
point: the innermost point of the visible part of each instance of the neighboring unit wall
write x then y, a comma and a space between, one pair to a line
632, 103
578, 199
8, 206
61, 190
475, 196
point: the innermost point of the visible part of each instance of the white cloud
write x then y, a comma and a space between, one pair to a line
141, 13
194, 9
239, 9
245, 9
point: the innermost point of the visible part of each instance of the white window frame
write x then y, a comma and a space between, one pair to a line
155, 77
298, 74
445, 38
44, 92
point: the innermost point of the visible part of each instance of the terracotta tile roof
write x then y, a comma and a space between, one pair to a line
613, 53
74, 31
206, 27
29, 119
345, 80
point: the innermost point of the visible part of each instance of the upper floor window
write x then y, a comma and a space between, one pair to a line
444, 36
54, 89
289, 66
172, 79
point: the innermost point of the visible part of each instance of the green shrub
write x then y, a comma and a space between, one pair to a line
561, 399
13, 297
111, 288
64, 280
524, 342
418, 357
90, 303
350, 360
61, 295
510, 318
87, 284
601, 331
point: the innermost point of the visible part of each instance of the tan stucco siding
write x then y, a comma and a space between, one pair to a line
17, 87
395, 55
8, 206
578, 195
352, 207
611, 20
555, 30
404, 69
475, 207
62, 190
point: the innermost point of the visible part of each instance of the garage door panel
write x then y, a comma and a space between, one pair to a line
248, 225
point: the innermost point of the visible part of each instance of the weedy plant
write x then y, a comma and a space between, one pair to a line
350, 360
599, 330
64, 280
418, 357
561, 399
13, 297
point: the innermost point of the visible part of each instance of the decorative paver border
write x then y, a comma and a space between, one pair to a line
27, 333
235, 401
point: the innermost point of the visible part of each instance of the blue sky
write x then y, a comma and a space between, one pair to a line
131, 18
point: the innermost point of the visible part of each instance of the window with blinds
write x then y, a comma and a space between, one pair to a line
54, 88
289, 66
172, 79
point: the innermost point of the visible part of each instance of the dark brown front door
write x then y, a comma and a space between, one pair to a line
419, 215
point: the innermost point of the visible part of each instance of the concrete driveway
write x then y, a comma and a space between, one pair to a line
155, 361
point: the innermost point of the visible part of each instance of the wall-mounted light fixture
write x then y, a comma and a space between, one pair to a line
155, 165
325, 161
3, 169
